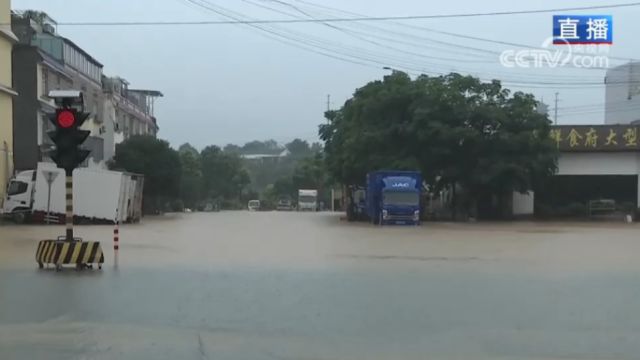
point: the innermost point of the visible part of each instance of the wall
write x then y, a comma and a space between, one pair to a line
6, 144
593, 163
109, 136
5, 61
25, 119
6, 97
523, 203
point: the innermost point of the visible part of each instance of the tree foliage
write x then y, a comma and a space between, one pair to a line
298, 148
455, 129
191, 185
157, 161
224, 176
267, 147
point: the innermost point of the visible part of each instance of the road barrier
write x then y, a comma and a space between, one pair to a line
116, 235
61, 252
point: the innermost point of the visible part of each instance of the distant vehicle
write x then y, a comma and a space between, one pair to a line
209, 207
254, 205
393, 197
284, 204
97, 194
307, 200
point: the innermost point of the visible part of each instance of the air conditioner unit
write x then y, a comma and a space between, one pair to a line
49, 29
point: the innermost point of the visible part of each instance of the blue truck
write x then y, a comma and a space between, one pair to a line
393, 197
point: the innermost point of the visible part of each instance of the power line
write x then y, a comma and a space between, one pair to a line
458, 35
346, 19
355, 34
367, 58
422, 38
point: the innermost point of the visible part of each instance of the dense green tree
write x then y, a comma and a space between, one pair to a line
224, 176
186, 147
232, 148
316, 147
191, 179
456, 129
372, 130
269, 147
298, 148
309, 173
159, 163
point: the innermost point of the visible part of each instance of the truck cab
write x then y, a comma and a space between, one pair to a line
307, 200
253, 205
393, 197
19, 198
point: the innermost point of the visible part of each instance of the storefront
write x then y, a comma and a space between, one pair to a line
596, 162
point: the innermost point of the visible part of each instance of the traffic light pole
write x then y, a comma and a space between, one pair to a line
69, 203
68, 154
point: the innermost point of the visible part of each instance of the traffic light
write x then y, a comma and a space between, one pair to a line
68, 137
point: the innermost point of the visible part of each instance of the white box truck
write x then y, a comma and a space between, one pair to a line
307, 200
97, 194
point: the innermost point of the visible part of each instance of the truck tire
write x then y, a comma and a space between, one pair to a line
19, 217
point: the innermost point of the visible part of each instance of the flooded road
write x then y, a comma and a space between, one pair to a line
240, 285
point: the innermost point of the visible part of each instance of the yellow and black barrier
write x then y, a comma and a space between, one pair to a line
60, 252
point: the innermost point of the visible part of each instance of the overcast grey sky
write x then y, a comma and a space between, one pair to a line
231, 83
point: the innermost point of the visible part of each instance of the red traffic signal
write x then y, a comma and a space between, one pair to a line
65, 118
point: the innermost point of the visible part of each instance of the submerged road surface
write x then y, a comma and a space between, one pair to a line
240, 285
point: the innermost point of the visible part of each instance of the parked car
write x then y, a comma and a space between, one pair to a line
284, 205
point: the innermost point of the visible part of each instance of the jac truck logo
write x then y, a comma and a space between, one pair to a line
400, 185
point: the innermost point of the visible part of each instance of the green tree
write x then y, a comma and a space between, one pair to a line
224, 176
298, 148
186, 147
157, 161
232, 148
269, 147
372, 130
316, 147
191, 179
309, 173
456, 129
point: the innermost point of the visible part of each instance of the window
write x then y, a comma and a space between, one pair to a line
400, 198
16, 187
45, 82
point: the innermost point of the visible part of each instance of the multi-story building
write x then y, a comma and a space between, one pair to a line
7, 94
622, 98
127, 112
45, 61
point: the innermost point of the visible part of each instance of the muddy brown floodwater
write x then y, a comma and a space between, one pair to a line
286, 285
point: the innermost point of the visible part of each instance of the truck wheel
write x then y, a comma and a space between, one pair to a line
19, 217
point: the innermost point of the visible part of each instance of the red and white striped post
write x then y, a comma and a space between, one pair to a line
116, 233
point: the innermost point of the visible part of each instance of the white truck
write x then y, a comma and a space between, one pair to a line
307, 200
97, 193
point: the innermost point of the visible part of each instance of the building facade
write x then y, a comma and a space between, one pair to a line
622, 94
45, 61
7, 95
126, 112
